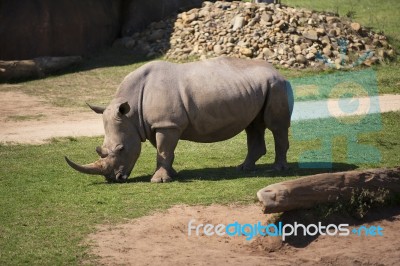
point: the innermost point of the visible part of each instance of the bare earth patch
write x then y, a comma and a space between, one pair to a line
31, 120
162, 239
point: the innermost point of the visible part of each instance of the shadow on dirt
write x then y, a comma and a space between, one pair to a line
313, 216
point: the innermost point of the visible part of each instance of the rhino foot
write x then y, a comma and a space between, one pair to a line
280, 167
161, 176
246, 167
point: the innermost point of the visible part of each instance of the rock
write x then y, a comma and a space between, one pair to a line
325, 40
391, 53
301, 59
159, 25
278, 34
156, 35
355, 26
296, 39
246, 52
331, 19
265, 17
320, 31
310, 56
238, 22
327, 51
267, 53
297, 49
333, 32
188, 18
311, 35
125, 42
217, 49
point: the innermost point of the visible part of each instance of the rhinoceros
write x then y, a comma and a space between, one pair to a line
205, 101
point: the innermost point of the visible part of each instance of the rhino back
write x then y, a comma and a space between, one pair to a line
209, 100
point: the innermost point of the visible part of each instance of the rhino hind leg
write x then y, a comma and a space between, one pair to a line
255, 145
281, 140
166, 141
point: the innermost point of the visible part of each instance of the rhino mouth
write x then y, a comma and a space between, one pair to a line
118, 177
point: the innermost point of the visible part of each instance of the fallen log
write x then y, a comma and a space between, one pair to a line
35, 68
306, 192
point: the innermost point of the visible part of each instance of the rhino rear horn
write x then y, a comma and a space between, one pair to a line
91, 169
96, 109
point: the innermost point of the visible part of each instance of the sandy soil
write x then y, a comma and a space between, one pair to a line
30, 120
162, 239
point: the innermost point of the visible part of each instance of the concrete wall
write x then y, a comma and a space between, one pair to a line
33, 28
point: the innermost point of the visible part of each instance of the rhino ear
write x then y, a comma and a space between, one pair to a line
124, 108
96, 109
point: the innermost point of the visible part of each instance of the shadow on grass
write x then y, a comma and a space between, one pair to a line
108, 57
230, 173
263, 170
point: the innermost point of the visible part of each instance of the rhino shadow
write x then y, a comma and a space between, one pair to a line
230, 173
262, 170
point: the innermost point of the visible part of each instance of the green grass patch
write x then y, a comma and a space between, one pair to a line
25, 117
47, 209
379, 15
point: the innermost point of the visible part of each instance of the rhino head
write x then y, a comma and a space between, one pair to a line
121, 146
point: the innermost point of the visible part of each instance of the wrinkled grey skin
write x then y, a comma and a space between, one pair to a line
205, 101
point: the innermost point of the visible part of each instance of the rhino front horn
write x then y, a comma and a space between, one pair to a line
91, 169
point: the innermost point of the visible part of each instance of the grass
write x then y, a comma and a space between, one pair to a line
25, 117
47, 209
381, 16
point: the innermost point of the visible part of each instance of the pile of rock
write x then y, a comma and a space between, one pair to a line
282, 35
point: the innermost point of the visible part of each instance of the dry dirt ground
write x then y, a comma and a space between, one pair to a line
162, 239
28, 119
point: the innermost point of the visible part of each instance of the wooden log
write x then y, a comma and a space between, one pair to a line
309, 191
35, 68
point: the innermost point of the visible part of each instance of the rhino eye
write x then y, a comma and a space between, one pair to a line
119, 147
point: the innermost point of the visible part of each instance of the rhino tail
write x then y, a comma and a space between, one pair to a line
289, 93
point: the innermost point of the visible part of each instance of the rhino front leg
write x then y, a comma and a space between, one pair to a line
166, 141
281, 139
255, 145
